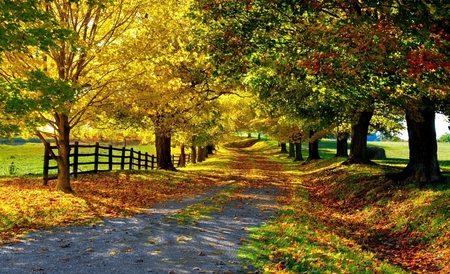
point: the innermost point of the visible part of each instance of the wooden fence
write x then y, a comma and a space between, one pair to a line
96, 158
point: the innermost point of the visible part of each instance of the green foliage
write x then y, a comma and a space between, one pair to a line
444, 138
327, 60
38, 93
25, 24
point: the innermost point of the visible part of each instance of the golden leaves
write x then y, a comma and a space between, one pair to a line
27, 205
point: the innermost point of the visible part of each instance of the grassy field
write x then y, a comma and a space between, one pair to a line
29, 157
397, 153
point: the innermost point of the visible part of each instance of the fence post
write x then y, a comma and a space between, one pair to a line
122, 160
153, 161
131, 158
139, 159
110, 157
96, 157
75, 160
146, 160
46, 164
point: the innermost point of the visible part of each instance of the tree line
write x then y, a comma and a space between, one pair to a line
339, 68
188, 72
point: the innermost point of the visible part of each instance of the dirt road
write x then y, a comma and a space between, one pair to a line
174, 237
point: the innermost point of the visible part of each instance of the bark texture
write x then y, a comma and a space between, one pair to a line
163, 150
291, 150
193, 157
63, 160
283, 148
358, 146
341, 145
423, 165
298, 152
182, 161
313, 147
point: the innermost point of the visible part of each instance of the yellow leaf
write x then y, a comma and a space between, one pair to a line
184, 239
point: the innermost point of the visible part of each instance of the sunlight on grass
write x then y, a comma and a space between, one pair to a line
342, 216
335, 218
296, 243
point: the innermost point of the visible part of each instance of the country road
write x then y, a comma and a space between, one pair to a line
159, 241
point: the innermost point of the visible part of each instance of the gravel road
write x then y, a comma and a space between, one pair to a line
147, 243
154, 242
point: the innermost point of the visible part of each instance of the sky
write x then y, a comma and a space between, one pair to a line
441, 123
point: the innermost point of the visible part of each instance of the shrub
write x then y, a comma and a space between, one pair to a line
444, 138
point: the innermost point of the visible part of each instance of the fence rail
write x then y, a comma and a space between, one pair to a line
99, 158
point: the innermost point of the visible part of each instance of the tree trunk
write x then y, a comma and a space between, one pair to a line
283, 148
163, 151
341, 145
249, 135
182, 162
423, 165
200, 154
298, 152
313, 147
358, 145
193, 157
291, 150
63, 160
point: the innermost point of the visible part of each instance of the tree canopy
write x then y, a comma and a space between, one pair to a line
315, 69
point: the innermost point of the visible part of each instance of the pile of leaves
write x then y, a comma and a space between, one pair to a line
27, 205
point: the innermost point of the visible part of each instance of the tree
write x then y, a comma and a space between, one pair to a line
362, 54
23, 26
83, 73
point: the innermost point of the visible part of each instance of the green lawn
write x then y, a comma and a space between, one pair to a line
397, 153
28, 157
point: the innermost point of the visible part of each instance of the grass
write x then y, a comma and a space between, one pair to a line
340, 219
354, 219
29, 157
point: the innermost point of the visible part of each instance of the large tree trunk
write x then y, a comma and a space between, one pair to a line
423, 165
62, 159
358, 146
163, 152
313, 147
341, 145
291, 150
298, 151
